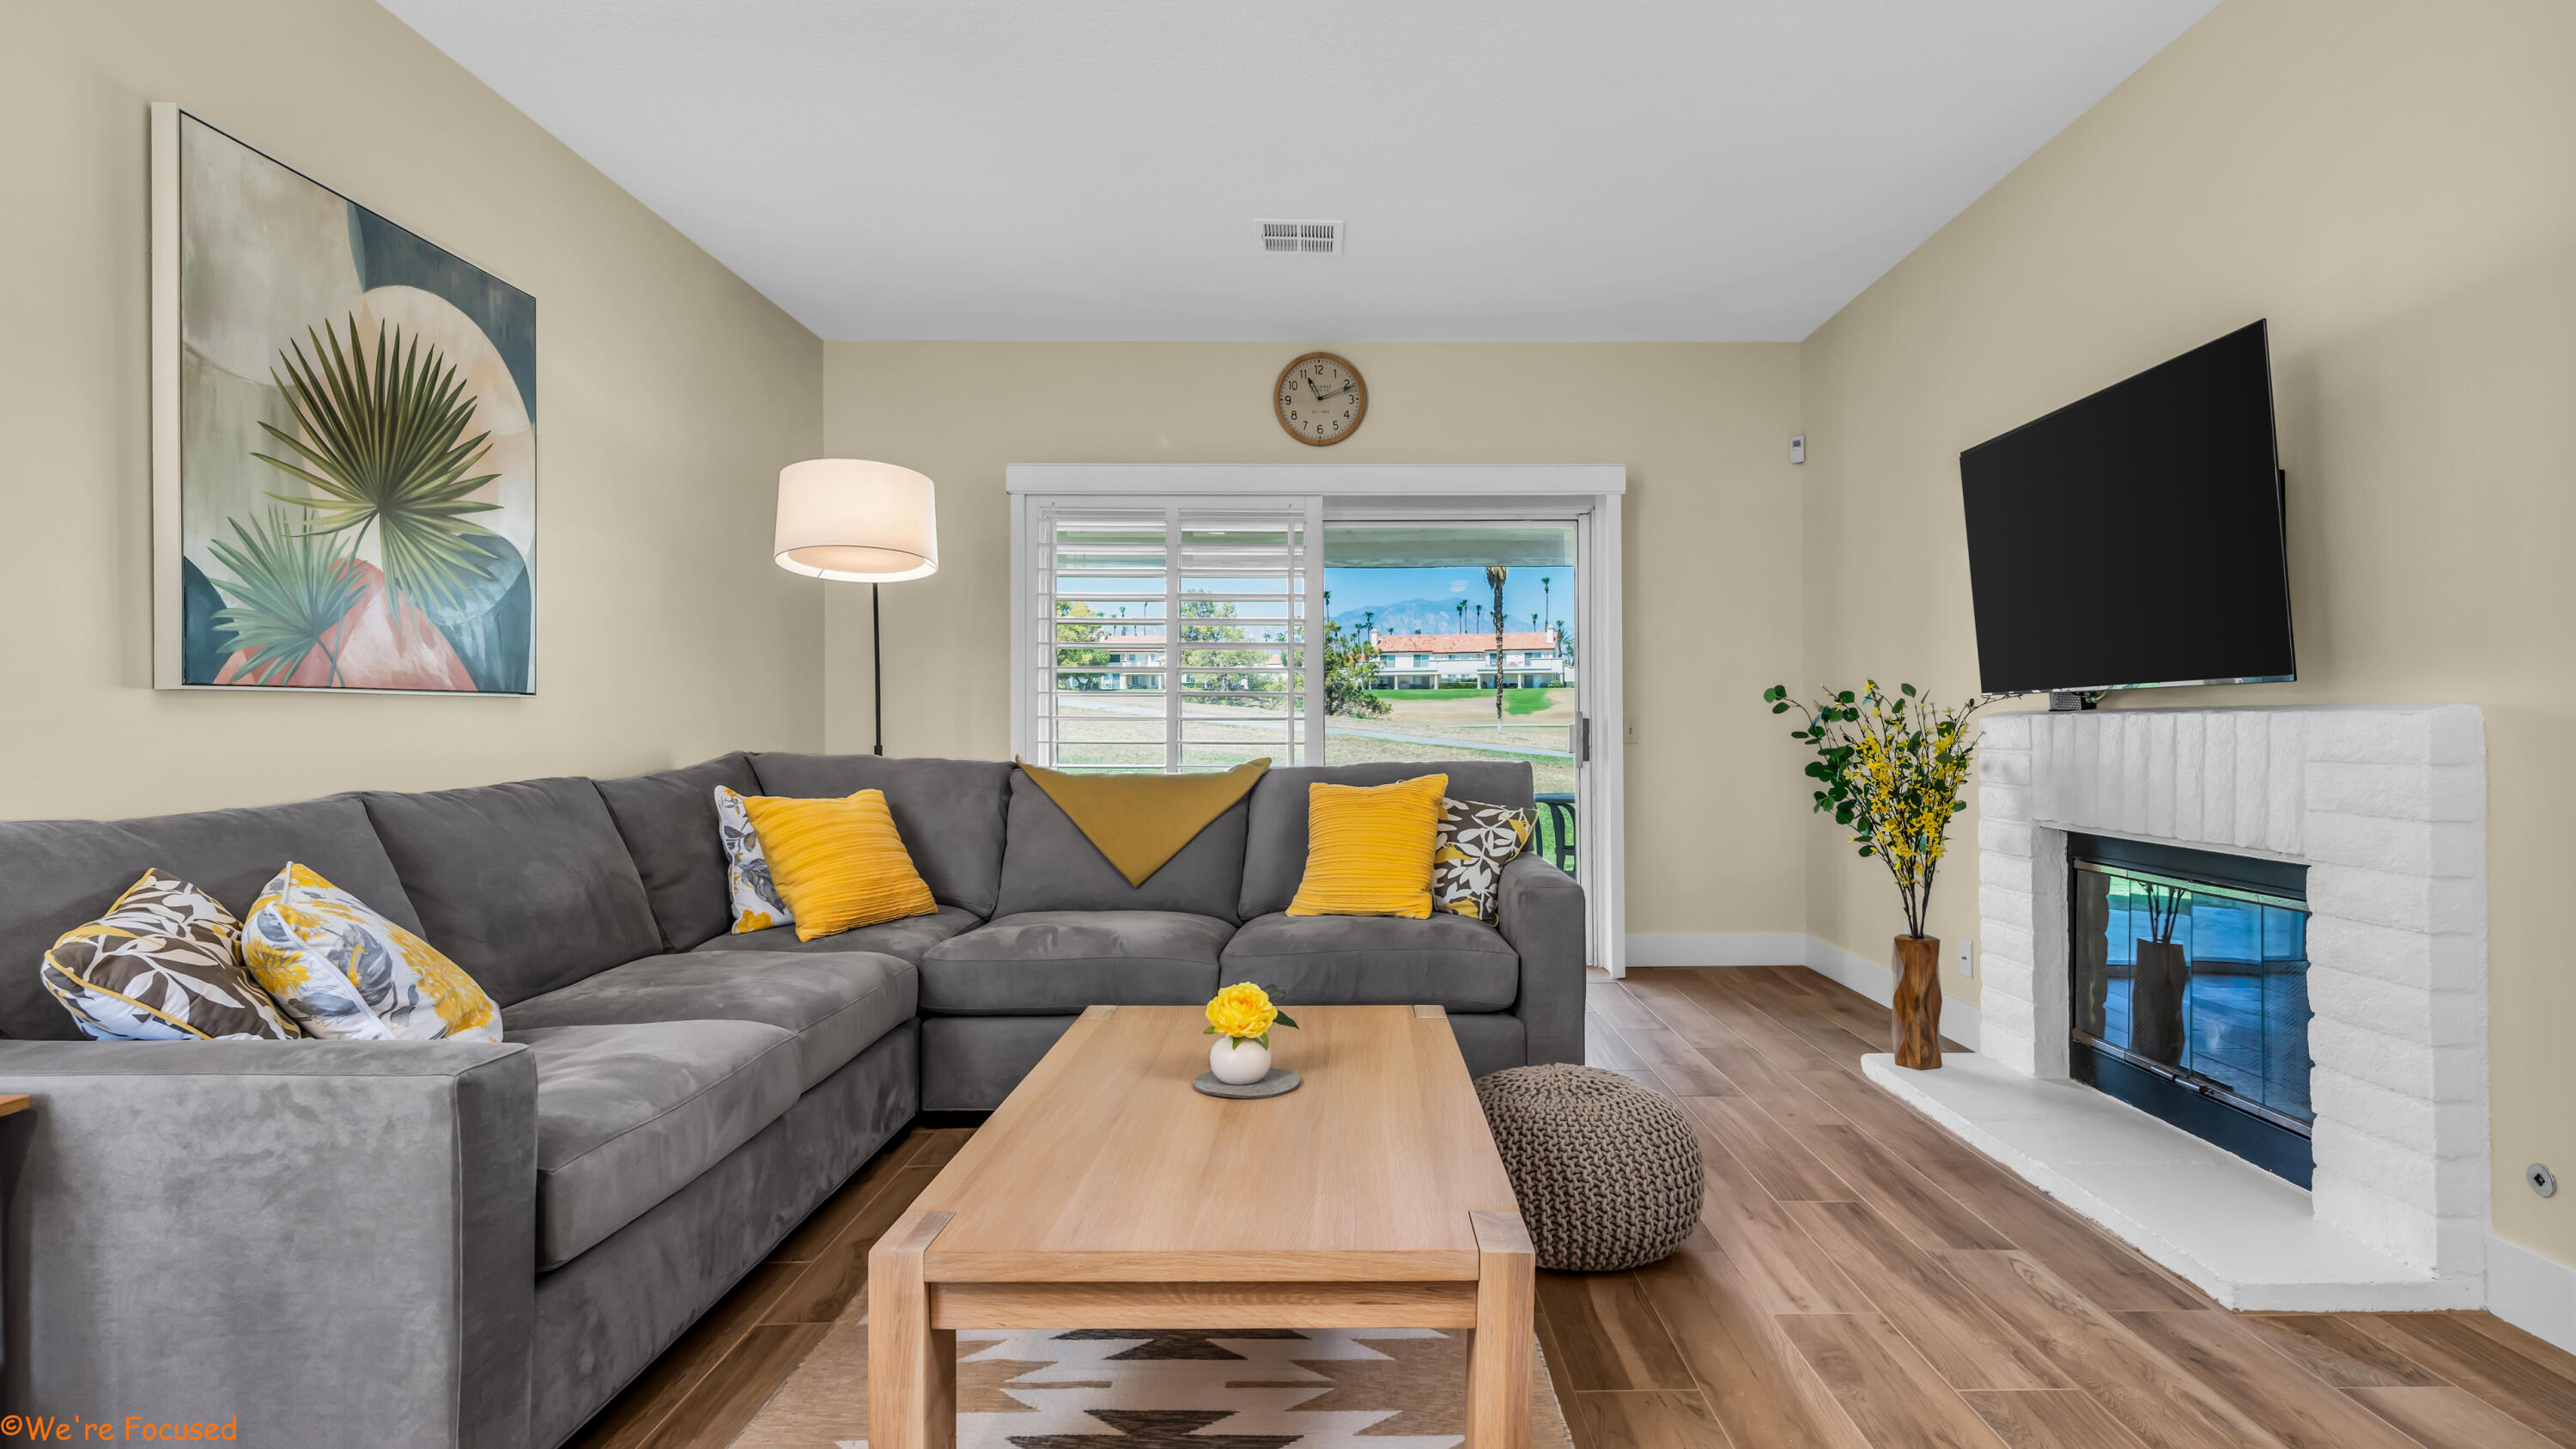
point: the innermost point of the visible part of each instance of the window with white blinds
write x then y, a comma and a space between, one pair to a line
1171, 634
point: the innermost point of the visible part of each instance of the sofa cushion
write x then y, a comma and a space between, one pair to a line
628, 1115
908, 938
1274, 847
526, 885
1446, 960
668, 821
951, 812
835, 1007
1053, 961
1050, 865
60, 873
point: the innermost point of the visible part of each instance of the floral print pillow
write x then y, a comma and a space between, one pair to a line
164, 964
343, 971
757, 905
1475, 843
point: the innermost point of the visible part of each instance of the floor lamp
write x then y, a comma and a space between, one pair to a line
869, 523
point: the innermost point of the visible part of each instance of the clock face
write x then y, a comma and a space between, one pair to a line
1320, 399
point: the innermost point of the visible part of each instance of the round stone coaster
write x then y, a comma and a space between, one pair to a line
1277, 1083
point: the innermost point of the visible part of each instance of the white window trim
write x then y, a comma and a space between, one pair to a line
1339, 481
1345, 491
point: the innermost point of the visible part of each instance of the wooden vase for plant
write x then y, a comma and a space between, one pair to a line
2155, 1001
1917, 1029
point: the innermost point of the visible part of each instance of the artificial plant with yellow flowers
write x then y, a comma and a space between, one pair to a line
1244, 1012
1890, 767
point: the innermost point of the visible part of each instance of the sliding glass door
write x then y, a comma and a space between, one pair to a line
1176, 617
1452, 639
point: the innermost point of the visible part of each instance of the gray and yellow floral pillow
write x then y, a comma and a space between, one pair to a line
1476, 842
164, 964
341, 969
757, 905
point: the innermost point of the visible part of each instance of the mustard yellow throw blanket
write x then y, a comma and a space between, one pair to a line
1141, 821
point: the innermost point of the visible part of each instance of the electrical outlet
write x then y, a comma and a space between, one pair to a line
1798, 449
1967, 957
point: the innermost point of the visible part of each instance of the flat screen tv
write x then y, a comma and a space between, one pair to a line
2135, 539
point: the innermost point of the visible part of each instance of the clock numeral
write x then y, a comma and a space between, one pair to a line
1292, 415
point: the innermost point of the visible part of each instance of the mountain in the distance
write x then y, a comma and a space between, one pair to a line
1422, 616
1410, 616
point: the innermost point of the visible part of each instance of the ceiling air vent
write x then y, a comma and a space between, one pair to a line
1313, 238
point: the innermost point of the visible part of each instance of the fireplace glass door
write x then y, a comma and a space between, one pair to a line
2190, 993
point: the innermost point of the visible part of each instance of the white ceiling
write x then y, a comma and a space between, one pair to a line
1509, 169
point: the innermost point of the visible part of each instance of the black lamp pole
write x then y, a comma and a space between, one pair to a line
876, 663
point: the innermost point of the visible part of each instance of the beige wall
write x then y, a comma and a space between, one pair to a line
669, 394
2393, 184
1711, 561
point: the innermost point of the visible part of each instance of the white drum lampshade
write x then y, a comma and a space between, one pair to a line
869, 523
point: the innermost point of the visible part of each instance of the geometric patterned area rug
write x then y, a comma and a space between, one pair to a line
1228, 1388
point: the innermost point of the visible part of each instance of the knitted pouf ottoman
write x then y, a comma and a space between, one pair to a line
1608, 1173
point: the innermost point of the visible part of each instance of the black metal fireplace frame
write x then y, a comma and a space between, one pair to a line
2207, 1109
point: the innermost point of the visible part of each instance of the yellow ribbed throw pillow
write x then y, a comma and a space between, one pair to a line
1368, 849
839, 864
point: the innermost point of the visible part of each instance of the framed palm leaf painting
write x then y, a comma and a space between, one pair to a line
344, 439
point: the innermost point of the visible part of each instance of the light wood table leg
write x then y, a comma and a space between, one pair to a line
1498, 1359
912, 1367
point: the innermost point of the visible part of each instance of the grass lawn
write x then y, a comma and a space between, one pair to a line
1515, 701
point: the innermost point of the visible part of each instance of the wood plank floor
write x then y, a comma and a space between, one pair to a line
1860, 1280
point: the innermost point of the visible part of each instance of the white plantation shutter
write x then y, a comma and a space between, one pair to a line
1172, 634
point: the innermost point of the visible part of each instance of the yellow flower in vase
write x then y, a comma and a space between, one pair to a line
1243, 1011
1240, 1018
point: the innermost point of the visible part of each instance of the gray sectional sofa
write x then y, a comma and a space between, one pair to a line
461, 1244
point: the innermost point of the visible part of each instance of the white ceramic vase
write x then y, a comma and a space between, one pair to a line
1239, 1062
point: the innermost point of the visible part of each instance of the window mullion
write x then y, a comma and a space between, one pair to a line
1172, 638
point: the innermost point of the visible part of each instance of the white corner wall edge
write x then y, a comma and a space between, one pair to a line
2532, 1291
1960, 1020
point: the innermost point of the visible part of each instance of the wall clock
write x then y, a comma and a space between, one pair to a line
1320, 399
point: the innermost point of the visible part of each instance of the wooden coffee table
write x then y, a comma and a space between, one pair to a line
1106, 1193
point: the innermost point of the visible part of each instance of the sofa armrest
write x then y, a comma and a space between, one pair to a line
1540, 910
333, 1242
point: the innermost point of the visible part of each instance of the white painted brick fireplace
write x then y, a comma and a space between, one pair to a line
2386, 806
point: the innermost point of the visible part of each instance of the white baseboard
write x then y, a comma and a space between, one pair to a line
1720, 948
2531, 1291
1959, 1019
